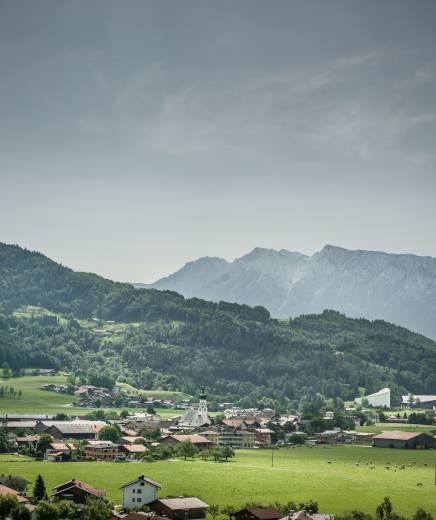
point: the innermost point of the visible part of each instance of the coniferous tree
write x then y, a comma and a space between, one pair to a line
39, 491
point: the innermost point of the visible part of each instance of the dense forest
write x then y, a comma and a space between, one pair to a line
173, 343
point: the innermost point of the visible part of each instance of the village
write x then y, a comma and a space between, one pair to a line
145, 436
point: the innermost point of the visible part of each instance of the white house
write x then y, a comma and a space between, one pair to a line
139, 492
381, 399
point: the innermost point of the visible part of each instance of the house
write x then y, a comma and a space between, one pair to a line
237, 438
28, 440
7, 491
132, 439
132, 451
363, 437
180, 508
257, 513
405, 440
139, 492
60, 452
77, 429
308, 515
212, 436
200, 441
136, 515
263, 436
330, 437
76, 491
101, 450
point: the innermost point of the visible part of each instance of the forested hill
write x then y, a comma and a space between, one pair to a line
238, 352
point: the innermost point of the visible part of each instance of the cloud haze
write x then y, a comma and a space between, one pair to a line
136, 136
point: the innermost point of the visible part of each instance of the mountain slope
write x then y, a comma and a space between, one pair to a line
238, 352
370, 284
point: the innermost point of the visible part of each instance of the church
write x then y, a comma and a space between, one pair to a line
196, 417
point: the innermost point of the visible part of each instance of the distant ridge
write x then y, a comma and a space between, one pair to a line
400, 288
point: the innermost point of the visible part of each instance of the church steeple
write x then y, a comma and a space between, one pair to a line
202, 407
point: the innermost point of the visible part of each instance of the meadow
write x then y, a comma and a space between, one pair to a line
328, 474
35, 400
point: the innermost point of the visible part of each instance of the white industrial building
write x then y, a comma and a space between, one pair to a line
381, 399
419, 401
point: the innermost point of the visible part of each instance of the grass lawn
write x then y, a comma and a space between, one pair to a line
298, 474
380, 427
35, 400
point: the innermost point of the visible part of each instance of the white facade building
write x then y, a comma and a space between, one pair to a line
196, 417
381, 399
139, 492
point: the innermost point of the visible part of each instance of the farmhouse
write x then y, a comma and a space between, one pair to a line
257, 513
407, 440
76, 491
139, 492
7, 491
78, 429
101, 450
60, 452
330, 437
263, 436
308, 515
136, 515
180, 508
132, 451
198, 440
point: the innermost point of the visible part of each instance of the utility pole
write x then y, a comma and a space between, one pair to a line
272, 456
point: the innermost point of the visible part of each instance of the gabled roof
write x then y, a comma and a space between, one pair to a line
134, 448
5, 490
183, 503
306, 515
195, 438
142, 478
73, 483
264, 513
399, 436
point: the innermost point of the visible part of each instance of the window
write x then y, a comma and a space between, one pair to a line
139, 499
133, 490
133, 499
139, 491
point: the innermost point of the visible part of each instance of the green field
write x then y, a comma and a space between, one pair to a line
298, 474
35, 400
383, 427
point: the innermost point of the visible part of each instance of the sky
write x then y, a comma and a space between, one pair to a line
138, 135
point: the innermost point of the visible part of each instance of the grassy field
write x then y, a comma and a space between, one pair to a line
35, 400
382, 427
329, 475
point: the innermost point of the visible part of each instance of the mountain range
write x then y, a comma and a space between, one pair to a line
159, 340
400, 288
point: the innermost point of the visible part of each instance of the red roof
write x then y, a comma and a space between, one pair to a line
195, 438
264, 513
5, 490
78, 484
398, 436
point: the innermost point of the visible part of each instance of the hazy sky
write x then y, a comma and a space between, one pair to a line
138, 135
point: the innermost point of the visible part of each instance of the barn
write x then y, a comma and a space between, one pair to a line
405, 440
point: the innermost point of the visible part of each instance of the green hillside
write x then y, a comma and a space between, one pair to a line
162, 341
